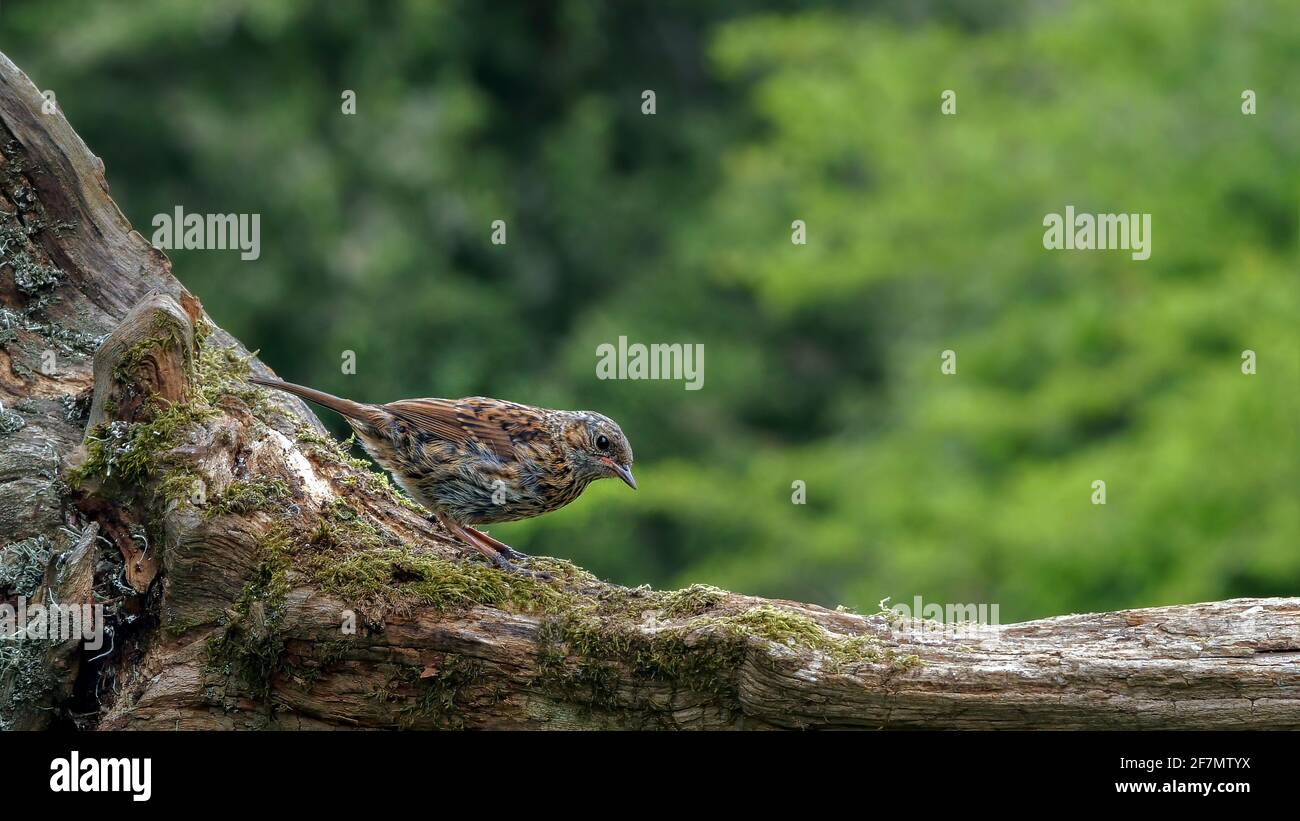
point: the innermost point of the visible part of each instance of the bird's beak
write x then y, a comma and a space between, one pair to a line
624, 472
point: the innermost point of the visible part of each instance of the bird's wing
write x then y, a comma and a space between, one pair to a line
498, 426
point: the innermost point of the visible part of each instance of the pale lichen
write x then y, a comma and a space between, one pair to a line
22, 565
10, 421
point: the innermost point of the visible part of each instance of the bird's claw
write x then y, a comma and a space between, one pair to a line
510, 567
514, 555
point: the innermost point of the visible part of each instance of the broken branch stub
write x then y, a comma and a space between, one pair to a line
147, 357
141, 368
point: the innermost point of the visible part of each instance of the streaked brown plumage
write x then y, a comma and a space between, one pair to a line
478, 460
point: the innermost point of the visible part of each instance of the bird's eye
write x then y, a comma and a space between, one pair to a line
602, 442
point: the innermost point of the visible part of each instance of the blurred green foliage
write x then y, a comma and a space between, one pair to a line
822, 361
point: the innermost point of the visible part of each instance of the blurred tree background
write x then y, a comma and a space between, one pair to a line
821, 361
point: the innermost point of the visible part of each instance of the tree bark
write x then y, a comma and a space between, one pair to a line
253, 575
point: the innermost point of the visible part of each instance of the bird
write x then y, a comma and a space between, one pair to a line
476, 460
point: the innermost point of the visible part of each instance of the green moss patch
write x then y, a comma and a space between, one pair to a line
125, 455
593, 651
246, 496
348, 556
692, 601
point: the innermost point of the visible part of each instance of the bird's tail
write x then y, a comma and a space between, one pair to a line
346, 407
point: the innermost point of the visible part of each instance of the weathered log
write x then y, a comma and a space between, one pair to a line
256, 576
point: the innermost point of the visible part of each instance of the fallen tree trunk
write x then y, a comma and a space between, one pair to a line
253, 575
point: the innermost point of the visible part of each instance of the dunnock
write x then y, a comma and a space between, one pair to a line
478, 460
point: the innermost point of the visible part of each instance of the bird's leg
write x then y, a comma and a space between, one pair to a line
473, 538
456, 529
501, 547
503, 559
